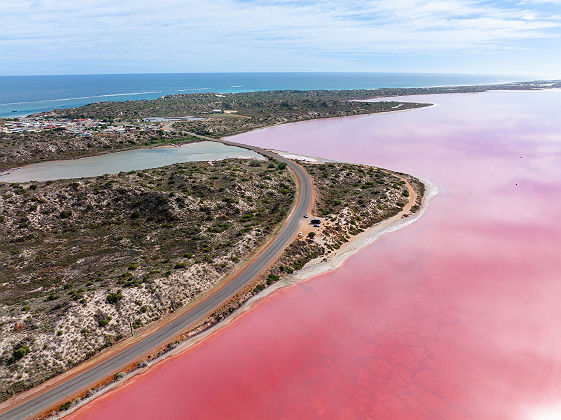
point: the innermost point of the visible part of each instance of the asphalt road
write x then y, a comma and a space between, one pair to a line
70, 387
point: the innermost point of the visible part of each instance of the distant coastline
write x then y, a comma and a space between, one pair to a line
24, 95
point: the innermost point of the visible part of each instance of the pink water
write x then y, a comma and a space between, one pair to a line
457, 316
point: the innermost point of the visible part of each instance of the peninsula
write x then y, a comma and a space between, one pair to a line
93, 262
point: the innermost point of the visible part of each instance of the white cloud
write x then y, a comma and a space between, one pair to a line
202, 31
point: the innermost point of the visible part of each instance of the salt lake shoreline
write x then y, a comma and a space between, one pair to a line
323, 264
311, 270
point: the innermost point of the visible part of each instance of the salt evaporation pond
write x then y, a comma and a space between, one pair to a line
130, 160
453, 317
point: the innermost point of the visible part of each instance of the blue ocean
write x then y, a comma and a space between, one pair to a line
23, 95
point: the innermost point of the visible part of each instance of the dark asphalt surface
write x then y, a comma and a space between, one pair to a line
65, 390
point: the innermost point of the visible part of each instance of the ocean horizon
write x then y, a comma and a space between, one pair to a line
24, 95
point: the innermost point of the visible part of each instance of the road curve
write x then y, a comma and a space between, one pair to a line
36, 405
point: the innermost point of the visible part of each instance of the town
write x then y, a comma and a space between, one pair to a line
82, 126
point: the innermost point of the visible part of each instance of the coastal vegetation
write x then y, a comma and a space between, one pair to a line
280, 105
349, 199
84, 261
232, 113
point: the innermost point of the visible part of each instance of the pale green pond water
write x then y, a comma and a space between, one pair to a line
113, 163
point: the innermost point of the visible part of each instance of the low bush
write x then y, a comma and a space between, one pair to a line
65, 406
20, 352
114, 297
271, 278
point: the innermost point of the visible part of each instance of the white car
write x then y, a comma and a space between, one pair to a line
299, 234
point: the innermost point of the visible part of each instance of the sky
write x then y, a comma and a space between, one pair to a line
146, 36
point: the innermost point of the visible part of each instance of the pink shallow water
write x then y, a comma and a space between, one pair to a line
456, 316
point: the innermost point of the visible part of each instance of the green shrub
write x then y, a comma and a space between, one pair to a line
65, 214
20, 352
258, 288
104, 321
114, 297
271, 278
65, 406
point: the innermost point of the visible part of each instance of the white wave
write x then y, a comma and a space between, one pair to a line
80, 97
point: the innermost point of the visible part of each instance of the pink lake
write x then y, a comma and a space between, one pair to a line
457, 316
